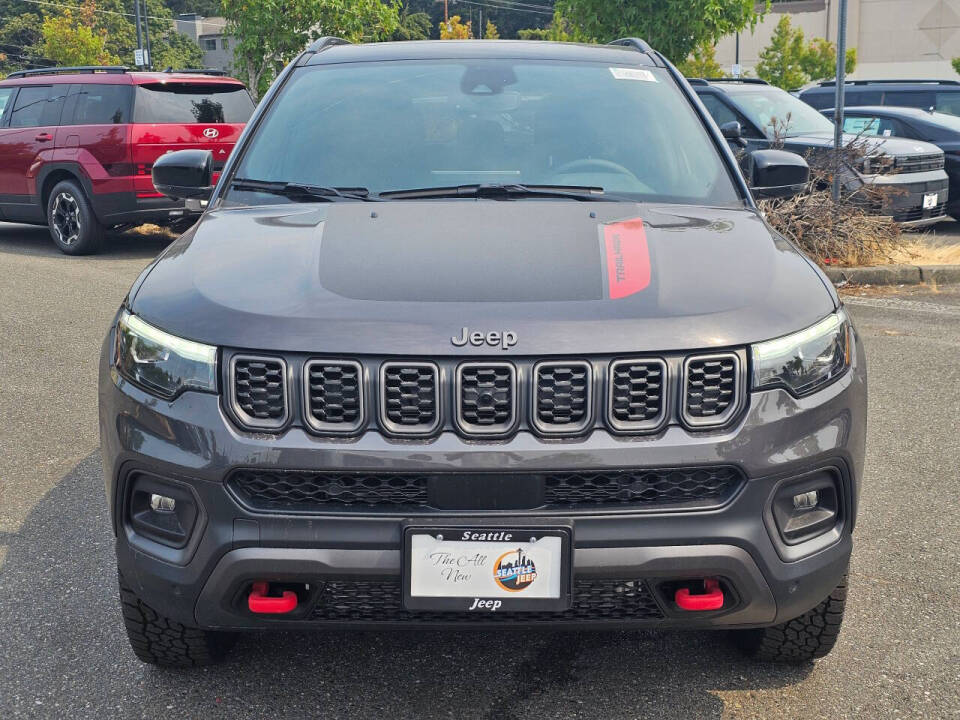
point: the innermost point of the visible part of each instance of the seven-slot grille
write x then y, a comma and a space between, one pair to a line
711, 388
410, 397
259, 389
637, 389
486, 397
333, 395
561, 396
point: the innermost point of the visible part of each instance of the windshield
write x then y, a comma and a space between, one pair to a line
405, 125
191, 103
778, 113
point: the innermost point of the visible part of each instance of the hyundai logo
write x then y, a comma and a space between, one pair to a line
211, 133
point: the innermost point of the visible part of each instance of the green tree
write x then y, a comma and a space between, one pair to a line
412, 26
702, 63
71, 38
269, 33
559, 30
788, 62
453, 29
674, 27
21, 38
819, 61
956, 64
781, 62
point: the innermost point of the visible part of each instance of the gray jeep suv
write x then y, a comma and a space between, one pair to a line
481, 333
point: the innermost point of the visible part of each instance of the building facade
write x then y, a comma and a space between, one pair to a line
209, 34
897, 39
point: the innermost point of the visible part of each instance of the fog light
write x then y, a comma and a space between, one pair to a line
164, 504
161, 509
807, 508
806, 501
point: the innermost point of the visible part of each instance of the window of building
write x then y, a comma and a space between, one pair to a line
209, 43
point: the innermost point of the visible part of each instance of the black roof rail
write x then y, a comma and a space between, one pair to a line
198, 71
70, 70
634, 42
827, 83
697, 81
321, 44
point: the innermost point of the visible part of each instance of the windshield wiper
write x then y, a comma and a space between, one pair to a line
303, 191
502, 191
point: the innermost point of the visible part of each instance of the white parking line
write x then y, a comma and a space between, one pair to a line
919, 306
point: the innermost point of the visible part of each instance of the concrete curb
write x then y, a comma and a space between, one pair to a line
894, 274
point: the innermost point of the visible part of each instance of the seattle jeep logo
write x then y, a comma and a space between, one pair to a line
506, 339
211, 133
513, 571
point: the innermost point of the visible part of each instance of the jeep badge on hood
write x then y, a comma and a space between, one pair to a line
506, 339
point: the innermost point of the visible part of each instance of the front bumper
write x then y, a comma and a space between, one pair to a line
904, 196
191, 441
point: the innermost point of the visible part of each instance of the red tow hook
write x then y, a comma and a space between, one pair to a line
259, 602
711, 599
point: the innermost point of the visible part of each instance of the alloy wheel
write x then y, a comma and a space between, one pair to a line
66, 218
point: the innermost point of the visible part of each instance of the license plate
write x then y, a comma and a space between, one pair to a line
929, 201
484, 569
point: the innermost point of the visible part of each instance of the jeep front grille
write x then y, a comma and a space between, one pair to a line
594, 601
486, 398
309, 491
637, 390
712, 389
258, 391
333, 395
409, 398
562, 396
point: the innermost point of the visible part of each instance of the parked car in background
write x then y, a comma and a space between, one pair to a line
941, 129
77, 144
941, 95
757, 115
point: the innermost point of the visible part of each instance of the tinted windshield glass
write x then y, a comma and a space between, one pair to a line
778, 113
403, 125
182, 103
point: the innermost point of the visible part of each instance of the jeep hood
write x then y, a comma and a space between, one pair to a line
404, 277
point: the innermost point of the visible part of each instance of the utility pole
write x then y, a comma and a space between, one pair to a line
146, 35
136, 13
838, 95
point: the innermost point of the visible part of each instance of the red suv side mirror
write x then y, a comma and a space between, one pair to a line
184, 174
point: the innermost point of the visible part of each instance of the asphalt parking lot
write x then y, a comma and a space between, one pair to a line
63, 652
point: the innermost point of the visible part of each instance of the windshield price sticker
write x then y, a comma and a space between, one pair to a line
632, 74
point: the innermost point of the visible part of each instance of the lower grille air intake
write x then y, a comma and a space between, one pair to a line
259, 391
486, 398
409, 398
711, 389
562, 396
594, 601
333, 395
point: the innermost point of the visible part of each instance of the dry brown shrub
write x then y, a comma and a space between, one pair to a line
843, 233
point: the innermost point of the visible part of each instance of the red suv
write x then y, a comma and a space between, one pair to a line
77, 144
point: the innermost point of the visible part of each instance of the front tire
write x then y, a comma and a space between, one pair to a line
73, 225
805, 638
158, 640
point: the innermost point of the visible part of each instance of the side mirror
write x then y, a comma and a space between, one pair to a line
776, 173
733, 132
184, 174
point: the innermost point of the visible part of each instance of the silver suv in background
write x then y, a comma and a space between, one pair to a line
755, 115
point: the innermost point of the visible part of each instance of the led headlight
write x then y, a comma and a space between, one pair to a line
161, 363
805, 361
